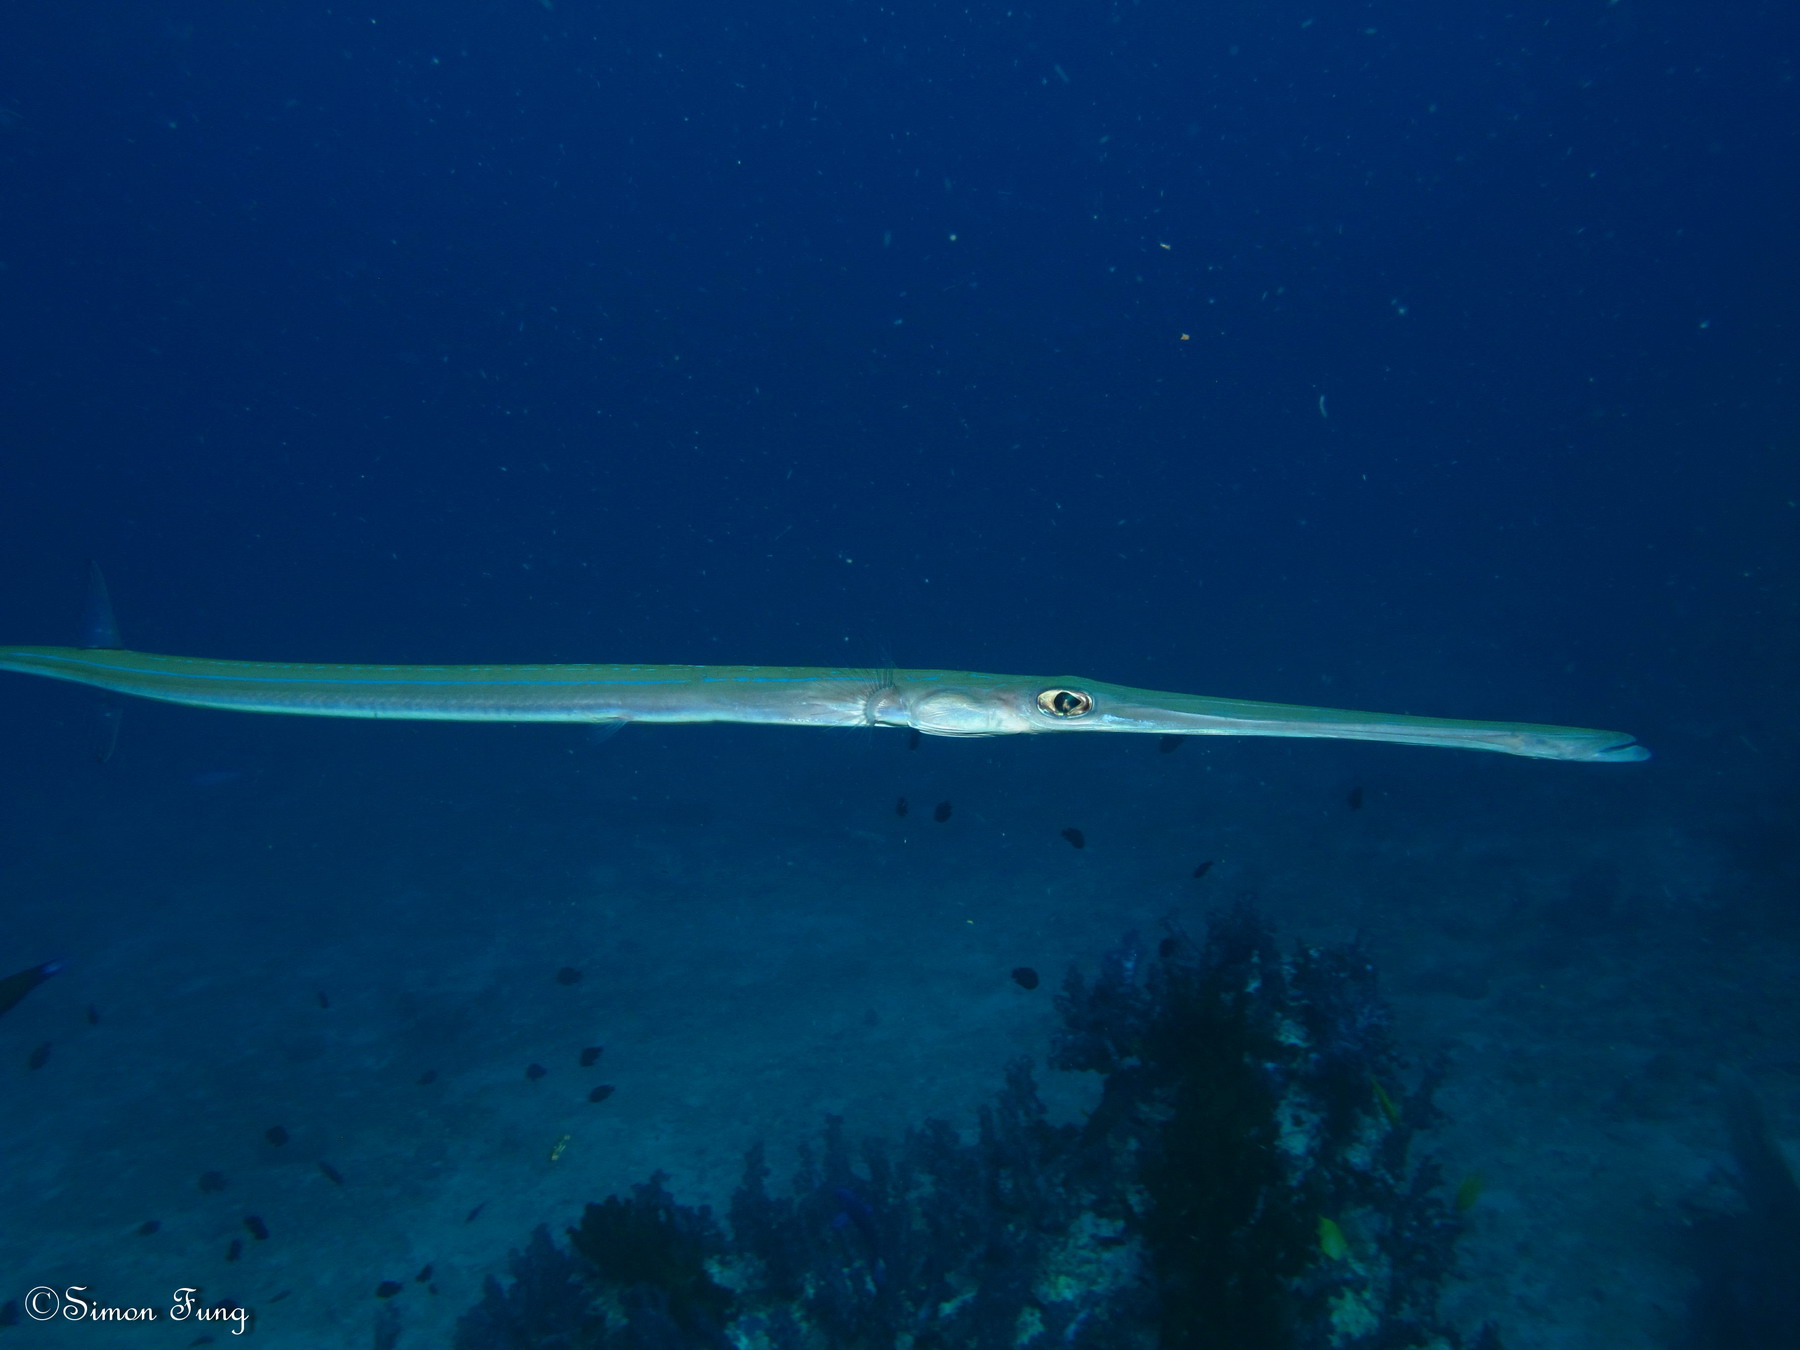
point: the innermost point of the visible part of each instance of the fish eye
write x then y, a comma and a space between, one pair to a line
1065, 702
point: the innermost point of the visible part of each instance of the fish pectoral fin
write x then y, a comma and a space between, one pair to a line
603, 729
109, 713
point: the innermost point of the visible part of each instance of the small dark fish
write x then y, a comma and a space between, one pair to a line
602, 1092
93, 1015
335, 1177
39, 1057
235, 1250
276, 1298
475, 1213
941, 813
149, 1226
871, 1018
427, 1078
591, 1056
913, 738
901, 808
1168, 745
276, 1135
15, 987
568, 975
258, 1229
1203, 869
10, 1312
387, 1288
1355, 799
533, 1072
323, 1001
1025, 977
211, 1183
1075, 837
424, 1275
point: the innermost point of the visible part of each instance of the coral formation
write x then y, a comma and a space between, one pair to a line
1245, 1182
1748, 1256
548, 1306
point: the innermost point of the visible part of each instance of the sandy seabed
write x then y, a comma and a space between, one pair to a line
355, 934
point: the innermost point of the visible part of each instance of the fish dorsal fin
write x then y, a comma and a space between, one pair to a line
100, 631
99, 628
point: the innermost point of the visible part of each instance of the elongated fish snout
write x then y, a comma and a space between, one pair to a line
1593, 747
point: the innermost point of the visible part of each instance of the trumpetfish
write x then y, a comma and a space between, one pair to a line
935, 702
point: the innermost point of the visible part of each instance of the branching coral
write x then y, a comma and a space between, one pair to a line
1243, 1184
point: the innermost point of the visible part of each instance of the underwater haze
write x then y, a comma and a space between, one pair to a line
1395, 356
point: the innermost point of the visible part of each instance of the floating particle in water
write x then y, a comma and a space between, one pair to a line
39, 1057
323, 1001
941, 812
335, 1177
149, 1226
212, 1182
258, 1229
1075, 837
276, 1135
235, 1250
475, 1213
568, 975
1168, 745
901, 808
427, 1078
1355, 800
1025, 977
591, 1056
533, 1072
602, 1092
1203, 869
93, 1015
388, 1288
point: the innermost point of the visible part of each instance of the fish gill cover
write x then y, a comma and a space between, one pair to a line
1246, 1182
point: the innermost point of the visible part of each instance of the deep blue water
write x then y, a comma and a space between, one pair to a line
1401, 356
